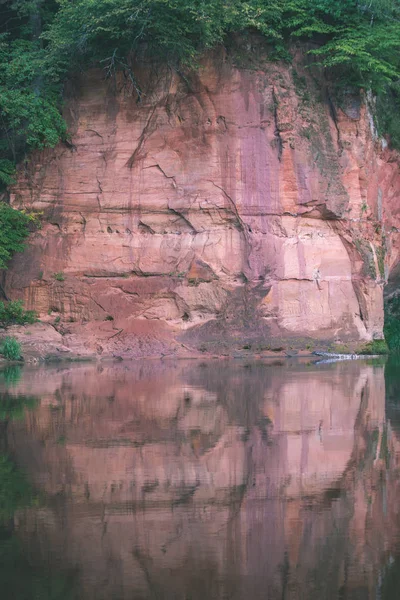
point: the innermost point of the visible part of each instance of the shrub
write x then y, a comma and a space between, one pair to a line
392, 333
13, 313
11, 349
59, 276
392, 323
13, 231
340, 349
375, 347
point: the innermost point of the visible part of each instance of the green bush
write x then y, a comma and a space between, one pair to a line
340, 349
13, 313
387, 111
59, 276
361, 40
357, 43
13, 230
392, 323
11, 349
392, 334
375, 347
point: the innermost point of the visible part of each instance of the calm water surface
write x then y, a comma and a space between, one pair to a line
190, 480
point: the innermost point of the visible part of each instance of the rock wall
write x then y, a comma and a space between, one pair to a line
230, 205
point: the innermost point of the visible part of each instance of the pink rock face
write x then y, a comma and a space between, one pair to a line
233, 205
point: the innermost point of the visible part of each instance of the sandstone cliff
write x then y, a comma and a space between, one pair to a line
230, 207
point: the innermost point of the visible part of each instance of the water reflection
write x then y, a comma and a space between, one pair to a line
214, 480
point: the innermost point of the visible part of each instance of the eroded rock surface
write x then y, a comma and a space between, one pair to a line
227, 206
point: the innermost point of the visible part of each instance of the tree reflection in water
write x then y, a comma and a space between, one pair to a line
211, 480
21, 578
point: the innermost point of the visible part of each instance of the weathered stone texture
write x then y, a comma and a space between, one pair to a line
237, 204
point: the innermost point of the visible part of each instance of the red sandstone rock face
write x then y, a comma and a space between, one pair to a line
234, 206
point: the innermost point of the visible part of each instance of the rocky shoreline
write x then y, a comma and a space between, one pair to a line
43, 343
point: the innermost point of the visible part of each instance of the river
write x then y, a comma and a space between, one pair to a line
195, 480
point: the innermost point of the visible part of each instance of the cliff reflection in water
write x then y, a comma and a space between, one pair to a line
212, 481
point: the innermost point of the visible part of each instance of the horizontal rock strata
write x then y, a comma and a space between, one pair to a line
225, 206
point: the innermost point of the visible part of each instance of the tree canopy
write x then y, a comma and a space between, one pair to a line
14, 228
43, 41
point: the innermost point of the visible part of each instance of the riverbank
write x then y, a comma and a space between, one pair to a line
43, 342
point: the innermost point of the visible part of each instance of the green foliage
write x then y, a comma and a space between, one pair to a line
42, 42
362, 39
176, 29
358, 44
10, 375
59, 276
13, 313
7, 172
390, 586
22, 580
13, 231
19, 578
392, 333
14, 406
392, 323
380, 255
340, 349
30, 86
15, 491
11, 348
375, 347
387, 113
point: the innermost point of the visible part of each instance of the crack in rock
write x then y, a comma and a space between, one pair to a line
242, 225
146, 132
157, 166
182, 216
